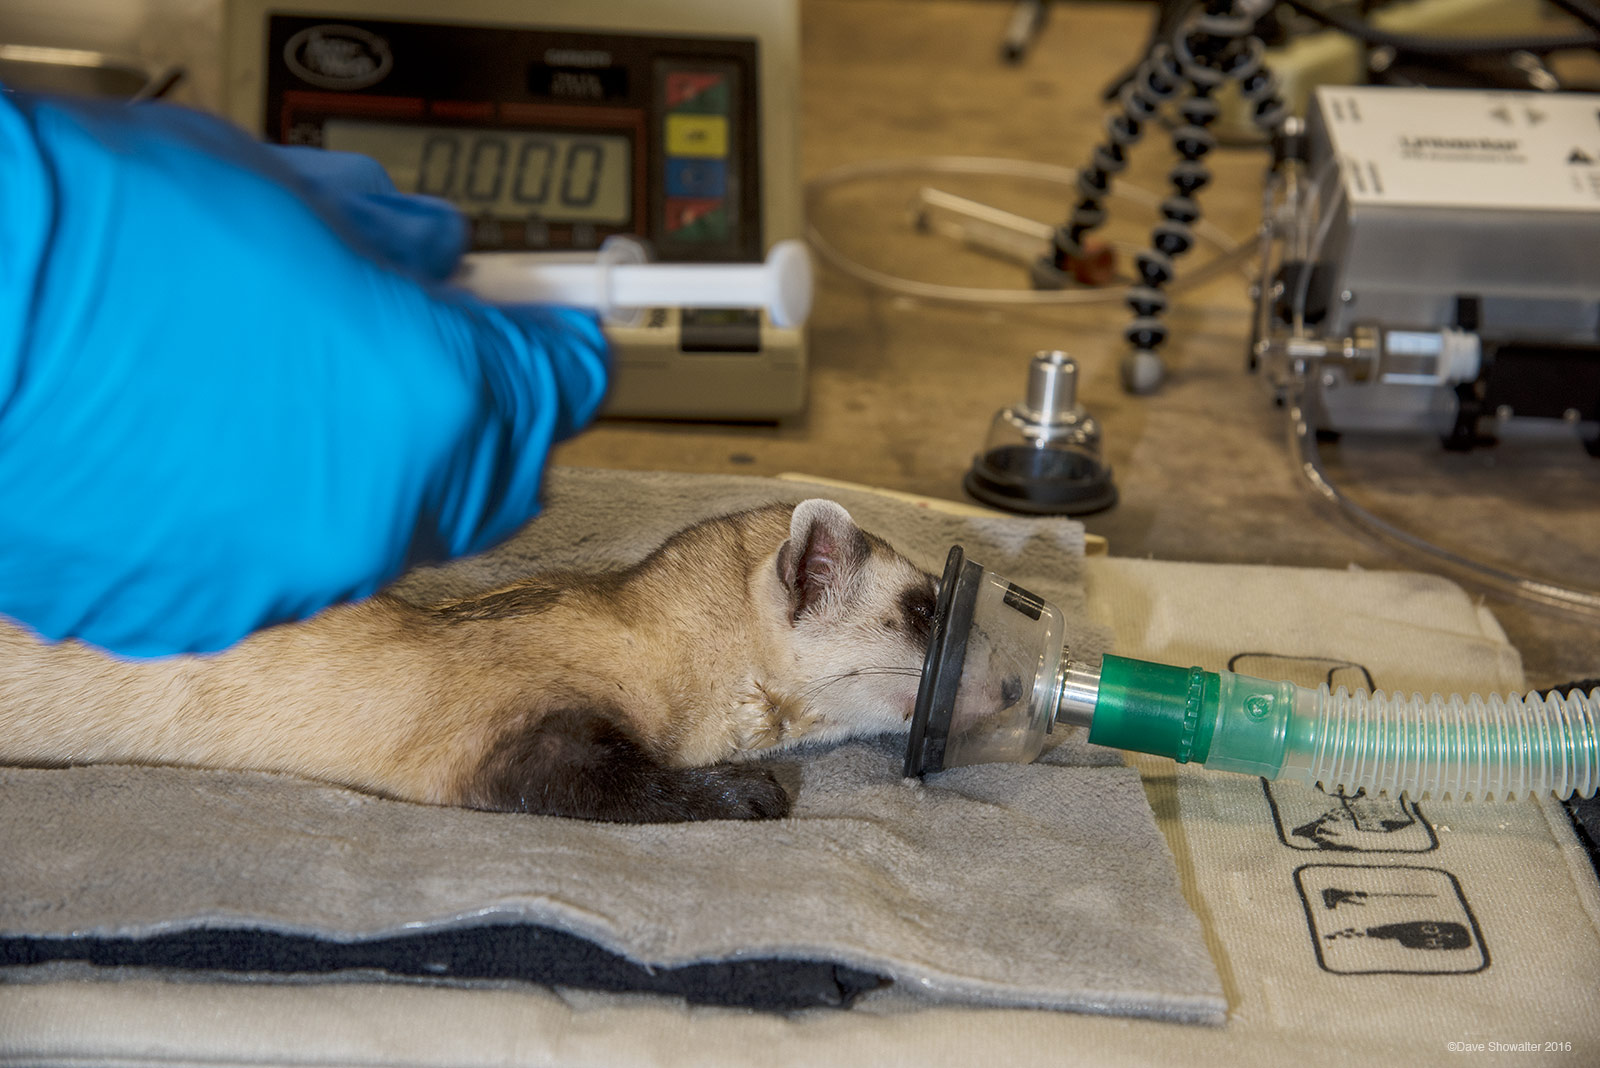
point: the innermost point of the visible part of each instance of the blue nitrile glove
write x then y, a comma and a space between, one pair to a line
234, 387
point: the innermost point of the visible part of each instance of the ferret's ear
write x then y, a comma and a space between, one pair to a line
822, 557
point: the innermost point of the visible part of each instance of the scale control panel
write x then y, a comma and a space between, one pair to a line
546, 139
556, 125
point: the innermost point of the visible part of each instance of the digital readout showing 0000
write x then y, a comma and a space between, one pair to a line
558, 177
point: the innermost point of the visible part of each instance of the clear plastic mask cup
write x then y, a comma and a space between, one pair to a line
992, 677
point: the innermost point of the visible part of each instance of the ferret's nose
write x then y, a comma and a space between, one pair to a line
1010, 690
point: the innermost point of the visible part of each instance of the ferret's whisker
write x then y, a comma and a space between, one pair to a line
829, 680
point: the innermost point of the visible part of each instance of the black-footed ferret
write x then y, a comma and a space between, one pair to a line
631, 696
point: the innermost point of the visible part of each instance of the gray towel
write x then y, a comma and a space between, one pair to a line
1045, 886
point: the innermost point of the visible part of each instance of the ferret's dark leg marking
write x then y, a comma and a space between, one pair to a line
581, 764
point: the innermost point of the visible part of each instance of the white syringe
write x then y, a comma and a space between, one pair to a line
620, 279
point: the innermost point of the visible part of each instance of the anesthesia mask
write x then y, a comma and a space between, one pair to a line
997, 683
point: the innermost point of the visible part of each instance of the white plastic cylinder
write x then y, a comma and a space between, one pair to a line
782, 285
1486, 747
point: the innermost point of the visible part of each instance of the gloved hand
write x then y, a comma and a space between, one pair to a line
235, 388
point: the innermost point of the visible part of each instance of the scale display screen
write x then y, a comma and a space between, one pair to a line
547, 139
501, 173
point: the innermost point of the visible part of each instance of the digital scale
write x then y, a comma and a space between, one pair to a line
556, 125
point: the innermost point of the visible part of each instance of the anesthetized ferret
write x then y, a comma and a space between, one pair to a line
638, 695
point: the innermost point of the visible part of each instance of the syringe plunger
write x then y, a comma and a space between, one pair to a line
619, 280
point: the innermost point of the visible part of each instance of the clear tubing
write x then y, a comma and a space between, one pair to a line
1326, 215
1303, 445
1501, 747
1230, 255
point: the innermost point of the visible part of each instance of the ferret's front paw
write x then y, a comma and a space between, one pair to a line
736, 792
764, 719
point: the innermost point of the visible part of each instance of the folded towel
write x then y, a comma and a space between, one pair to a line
1045, 886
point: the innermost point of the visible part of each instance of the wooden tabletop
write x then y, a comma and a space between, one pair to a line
902, 392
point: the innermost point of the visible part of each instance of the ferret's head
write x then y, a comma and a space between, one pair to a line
856, 622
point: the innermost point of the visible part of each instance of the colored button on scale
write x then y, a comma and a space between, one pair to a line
696, 177
700, 136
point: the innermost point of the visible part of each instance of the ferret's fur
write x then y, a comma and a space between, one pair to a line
634, 696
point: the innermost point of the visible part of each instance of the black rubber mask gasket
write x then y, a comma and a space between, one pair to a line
941, 667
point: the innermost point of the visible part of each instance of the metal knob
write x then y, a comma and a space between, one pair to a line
1053, 386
